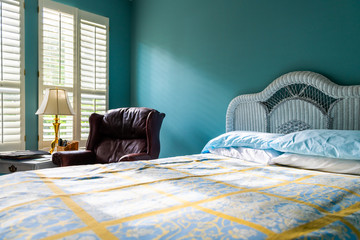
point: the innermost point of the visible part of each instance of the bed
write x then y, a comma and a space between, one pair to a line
262, 179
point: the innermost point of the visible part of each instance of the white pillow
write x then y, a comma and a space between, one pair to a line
248, 154
335, 165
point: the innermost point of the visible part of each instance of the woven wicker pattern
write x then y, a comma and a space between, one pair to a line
293, 126
296, 97
303, 92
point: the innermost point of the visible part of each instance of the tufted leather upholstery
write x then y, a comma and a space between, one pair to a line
123, 134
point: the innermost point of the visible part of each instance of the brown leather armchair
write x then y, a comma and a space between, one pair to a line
123, 134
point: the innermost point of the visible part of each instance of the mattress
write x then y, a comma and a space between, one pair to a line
201, 196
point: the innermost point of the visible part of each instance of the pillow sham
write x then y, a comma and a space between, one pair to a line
257, 140
335, 165
248, 154
343, 144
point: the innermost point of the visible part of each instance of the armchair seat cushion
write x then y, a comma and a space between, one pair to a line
111, 150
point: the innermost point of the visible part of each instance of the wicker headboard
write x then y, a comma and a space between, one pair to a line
296, 101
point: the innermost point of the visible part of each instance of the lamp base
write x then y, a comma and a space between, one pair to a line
56, 125
53, 144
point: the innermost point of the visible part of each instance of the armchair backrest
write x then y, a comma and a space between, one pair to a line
125, 131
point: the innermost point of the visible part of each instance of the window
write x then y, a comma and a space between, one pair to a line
12, 95
73, 56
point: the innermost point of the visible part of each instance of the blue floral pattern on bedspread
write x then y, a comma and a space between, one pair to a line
200, 196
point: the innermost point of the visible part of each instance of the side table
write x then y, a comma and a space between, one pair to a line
10, 166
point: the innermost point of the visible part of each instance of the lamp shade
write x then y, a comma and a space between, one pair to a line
55, 102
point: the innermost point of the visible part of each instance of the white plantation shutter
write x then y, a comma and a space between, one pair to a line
12, 110
93, 69
90, 103
74, 56
57, 64
58, 48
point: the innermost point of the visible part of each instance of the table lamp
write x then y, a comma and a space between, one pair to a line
55, 102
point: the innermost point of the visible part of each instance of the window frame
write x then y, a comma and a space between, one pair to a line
76, 87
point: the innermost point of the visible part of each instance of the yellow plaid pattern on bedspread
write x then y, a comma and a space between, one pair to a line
200, 196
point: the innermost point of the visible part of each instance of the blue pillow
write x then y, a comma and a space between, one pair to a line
256, 140
343, 144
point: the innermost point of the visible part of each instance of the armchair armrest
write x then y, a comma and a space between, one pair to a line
69, 158
135, 157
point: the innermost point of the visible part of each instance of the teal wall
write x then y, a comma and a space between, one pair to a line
119, 13
190, 58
